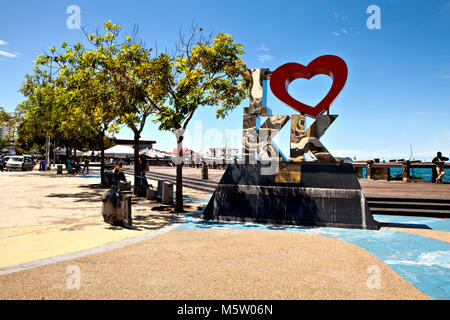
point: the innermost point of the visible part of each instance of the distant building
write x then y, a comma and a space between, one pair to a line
8, 132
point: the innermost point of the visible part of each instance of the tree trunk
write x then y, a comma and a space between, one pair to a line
136, 159
179, 192
179, 178
102, 157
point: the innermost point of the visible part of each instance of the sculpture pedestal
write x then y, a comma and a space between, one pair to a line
313, 194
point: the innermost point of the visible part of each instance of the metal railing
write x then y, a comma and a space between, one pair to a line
382, 171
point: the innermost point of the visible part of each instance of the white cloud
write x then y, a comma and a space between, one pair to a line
264, 57
265, 54
262, 47
7, 54
337, 34
344, 31
337, 16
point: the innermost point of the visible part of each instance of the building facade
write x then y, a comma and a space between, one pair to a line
6, 131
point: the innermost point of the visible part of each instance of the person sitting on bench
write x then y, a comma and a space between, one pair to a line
118, 174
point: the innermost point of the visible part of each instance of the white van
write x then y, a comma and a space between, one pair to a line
19, 163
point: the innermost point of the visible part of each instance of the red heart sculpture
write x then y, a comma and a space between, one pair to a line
329, 65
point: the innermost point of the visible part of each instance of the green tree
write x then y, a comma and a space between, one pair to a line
136, 76
75, 104
4, 116
95, 90
11, 121
204, 72
92, 98
48, 109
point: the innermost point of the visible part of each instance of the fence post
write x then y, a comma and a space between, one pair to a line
405, 169
387, 174
369, 169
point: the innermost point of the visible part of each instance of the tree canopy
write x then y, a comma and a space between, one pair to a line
204, 72
77, 92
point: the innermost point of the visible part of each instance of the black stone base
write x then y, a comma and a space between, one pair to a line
314, 194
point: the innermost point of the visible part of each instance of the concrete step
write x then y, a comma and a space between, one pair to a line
211, 182
198, 184
411, 212
396, 199
186, 180
409, 204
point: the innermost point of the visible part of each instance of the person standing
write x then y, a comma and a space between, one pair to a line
143, 168
86, 165
69, 165
439, 161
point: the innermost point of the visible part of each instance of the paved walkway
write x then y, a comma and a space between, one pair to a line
58, 215
216, 265
47, 215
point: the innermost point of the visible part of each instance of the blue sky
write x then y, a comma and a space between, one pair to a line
397, 93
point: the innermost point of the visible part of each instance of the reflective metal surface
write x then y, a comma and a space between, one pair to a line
257, 103
302, 142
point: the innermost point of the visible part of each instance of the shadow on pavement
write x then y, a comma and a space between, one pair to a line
404, 225
80, 196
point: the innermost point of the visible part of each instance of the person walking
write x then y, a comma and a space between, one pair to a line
439, 161
86, 165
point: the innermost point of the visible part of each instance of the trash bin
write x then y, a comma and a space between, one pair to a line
204, 171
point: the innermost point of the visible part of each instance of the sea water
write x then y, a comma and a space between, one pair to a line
423, 173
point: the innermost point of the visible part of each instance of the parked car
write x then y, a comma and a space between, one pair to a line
30, 159
20, 163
